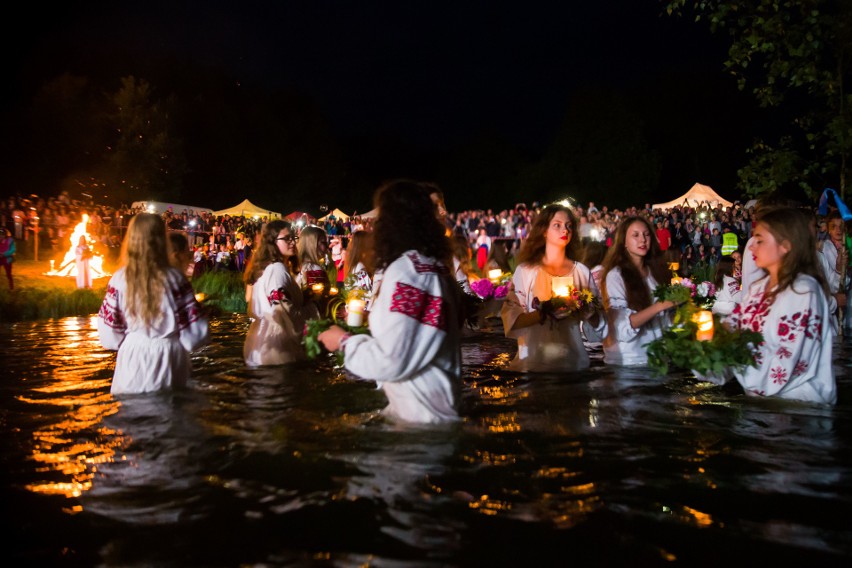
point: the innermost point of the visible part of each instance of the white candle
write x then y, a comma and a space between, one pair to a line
495, 274
355, 312
318, 287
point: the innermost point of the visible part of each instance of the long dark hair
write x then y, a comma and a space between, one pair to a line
533, 247
793, 225
267, 251
638, 295
408, 221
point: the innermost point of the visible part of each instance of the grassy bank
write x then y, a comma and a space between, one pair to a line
37, 296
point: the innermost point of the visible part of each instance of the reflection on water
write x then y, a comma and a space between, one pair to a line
293, 465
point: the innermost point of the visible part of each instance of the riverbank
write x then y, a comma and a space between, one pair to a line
38, 296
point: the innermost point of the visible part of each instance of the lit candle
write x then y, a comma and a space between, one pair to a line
332, 291
355, 312
200, 297
561, 285
317, 288
675, 281
704, 320
51, 265
493, 275
674, 266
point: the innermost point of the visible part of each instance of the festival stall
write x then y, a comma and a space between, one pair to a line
248, 209
698, 194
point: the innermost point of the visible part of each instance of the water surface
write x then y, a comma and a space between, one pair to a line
294, 466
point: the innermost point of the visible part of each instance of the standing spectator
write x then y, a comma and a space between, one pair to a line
82, 257
7, 254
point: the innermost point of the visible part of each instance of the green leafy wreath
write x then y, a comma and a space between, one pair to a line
678, 347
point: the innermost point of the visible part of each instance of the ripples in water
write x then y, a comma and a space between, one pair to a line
293, 465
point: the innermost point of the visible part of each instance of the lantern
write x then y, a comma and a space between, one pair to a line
561, 286
704, 320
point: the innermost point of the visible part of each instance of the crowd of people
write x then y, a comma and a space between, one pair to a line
779, 269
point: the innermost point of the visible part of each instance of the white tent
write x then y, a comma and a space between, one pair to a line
372, 214
337, 214
248, 209
160, 207
697, 194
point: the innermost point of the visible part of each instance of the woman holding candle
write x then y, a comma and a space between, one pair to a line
358, 263
413, 349
633, 268
789, 306
275, 300
149, 314
547, 268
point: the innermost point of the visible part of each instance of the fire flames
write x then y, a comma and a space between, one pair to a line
68, 267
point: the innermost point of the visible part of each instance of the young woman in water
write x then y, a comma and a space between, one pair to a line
633, 268
149, 314
413, 350
789, 306
275, 301
550, 251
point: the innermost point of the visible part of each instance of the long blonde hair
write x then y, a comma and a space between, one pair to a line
308, 247
145, 259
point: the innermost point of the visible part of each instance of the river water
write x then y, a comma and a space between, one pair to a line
292, 466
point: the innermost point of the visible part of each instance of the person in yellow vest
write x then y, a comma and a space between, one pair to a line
730, 242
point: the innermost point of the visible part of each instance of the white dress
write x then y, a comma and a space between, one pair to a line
82, 256
152, 357
794, 360
626, 345
278, 319
552, 346
413, 350
728, 296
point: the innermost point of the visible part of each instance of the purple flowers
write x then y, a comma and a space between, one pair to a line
486, 289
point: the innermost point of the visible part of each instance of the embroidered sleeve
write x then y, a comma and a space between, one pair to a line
792, 345
112, 325
617, 311
408, 322
191, 323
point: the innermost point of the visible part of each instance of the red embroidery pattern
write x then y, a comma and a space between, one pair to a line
277, 296
110, 312
752, 315
188, 310
800, 368
417, 304
778, 375
316, 276
804, 322
422, 266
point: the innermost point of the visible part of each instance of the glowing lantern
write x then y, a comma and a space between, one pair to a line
704, 320
561, 285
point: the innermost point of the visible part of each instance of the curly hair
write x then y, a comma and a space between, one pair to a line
408, 220
638, 295
533, 247
267, 252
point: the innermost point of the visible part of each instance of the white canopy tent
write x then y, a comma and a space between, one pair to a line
372, 214
697, 195
337, 214
160, 207
248, 209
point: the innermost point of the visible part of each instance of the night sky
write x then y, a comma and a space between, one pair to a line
430, 75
